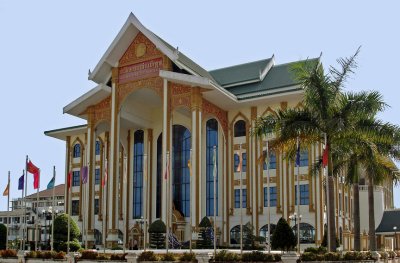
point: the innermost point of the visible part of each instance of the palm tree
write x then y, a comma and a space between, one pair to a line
326, 111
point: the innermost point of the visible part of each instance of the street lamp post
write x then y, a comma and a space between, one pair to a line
395, 243
297, 219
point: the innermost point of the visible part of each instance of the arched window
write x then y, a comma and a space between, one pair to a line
235, 235
307, 233
97, 148
77, 150
272, 160
240, 128
159, 176
138, 149
264, 230
181, 143
211, 141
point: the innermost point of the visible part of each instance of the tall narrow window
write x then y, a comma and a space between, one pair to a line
244, 162
75, 207
304, 158
96, 206
304, 194
97, 148
159, 176
236, 161
97, 176
181, 143
272, 161
272, 196
211, 141
77, 150
237, 198
240, 128
138, 149
76, 176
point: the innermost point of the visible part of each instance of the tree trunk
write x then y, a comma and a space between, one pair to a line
371, 214
356, 216
332, 214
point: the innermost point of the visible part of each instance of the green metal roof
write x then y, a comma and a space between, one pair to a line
390, 219
240, 73
278, 77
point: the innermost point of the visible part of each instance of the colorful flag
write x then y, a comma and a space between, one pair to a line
84, 172
239, 168
31, 168
298, 153
21, 183
50, 185
104, 181
7, 190
166, 175
69, 179
325, 156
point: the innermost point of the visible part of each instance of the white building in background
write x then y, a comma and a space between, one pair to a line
153, 109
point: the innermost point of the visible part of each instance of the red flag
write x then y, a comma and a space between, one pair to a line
104, 181
69, 179
239, 168
31, 168
166, 175
325, 156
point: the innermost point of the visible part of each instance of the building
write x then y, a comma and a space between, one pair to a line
36, 212
152, 110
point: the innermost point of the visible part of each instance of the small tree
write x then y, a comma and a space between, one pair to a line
157, 231
61, 230
283, 237
248, 236
3, 236
205, 234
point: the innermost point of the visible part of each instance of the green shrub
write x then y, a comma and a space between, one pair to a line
277, 258
224, 255
188, 257
157, 231
313, 250
308, 256
147, 256
116, 248
102, 257
168, 257
89, 254
74, 246
8, 253
253, 256
283, 237
58, 255
119, 257
61, 230
31, 254
332, 256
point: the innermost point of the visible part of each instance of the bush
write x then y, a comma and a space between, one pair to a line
277, 258
59, 255
102, 257
89, 254
308, 256
8, 253
73, 246
157, 231
283, 237
147, 256
168, 257
116, 248
61, 230
224, 255
119, 257
204, 240
253, 256
332, 256
188, 257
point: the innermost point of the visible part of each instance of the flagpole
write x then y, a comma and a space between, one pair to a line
25, 231
298, 196
22, 199
241, 199
146, 203
215, 201
69, 207
167, 204
104, 185
8, 208
190, 194
328, 237
54, 209
268, 201
37, 214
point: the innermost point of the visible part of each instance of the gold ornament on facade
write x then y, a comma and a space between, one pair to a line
140, 50
154, 83
220, 114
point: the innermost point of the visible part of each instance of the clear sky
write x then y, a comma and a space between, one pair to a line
47, 48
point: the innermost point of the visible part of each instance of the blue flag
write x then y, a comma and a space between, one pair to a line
50, 185
298, 155
21, 183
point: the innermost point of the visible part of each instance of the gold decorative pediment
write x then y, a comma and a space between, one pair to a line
220, 114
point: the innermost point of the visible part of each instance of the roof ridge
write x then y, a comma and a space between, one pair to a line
243, 64
296, 61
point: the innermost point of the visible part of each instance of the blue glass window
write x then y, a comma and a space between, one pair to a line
159, 176
237, 198
244, 162
75, 178
97, 148
304, 194
211, 141
272, 195
97, 176
96, 206
236, 161
77, 150
138, 148
303, 158
240, 128
272, 161
181, 143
